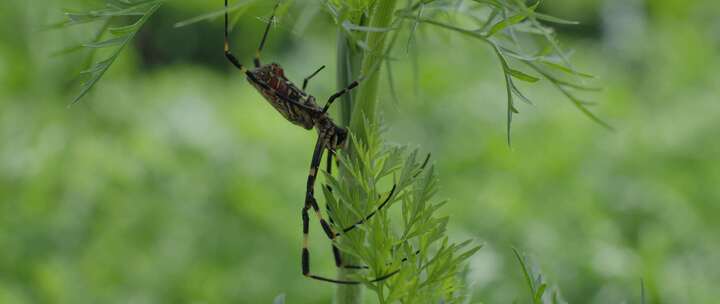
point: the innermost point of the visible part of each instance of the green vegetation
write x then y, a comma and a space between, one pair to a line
173, 182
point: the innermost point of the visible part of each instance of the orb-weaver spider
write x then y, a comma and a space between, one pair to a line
300, 108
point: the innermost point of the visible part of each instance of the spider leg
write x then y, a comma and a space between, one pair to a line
365, 267
392, 192
362, 221
367, 217
310, 202
256, 61
329, 171
305, 81
339, 94
229, 54
335, 253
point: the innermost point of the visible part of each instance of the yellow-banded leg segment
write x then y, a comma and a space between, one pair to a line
230, 57
228, 53
329, 166
310, 202
256, 61
307, 79
342, 92
336, 252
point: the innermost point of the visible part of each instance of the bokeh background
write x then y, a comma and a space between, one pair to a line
174, 182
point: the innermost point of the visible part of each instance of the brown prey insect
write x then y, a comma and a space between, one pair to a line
301, 108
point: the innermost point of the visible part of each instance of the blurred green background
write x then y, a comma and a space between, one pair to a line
174, 182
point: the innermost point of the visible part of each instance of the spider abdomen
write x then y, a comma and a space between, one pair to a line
295, 105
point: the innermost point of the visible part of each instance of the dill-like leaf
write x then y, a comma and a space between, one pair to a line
114, 38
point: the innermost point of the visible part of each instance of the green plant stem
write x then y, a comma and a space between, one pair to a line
348, 67
359, 108
348, 62
366, 101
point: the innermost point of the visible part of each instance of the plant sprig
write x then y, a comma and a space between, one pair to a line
540, 291
113, 38
426, 265
502, 24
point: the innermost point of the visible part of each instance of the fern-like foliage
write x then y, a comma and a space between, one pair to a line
517, 34
540, 292
120, 21
515, 31
407, 236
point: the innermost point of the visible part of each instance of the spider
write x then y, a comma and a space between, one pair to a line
300, 108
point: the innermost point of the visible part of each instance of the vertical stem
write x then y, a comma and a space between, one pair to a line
366, 101
360, 107
348, 62
348, 67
